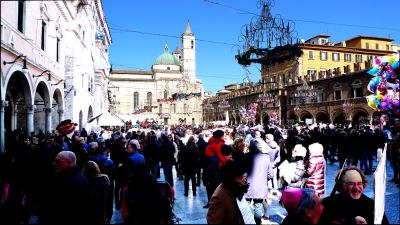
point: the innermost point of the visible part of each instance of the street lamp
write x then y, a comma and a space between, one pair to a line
305, 92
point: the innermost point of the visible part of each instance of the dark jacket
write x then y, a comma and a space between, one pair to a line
342, 209
190, 158
99, 191
68, 200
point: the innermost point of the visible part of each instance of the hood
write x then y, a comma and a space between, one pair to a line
316, 149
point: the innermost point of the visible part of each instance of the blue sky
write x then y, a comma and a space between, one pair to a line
223, 22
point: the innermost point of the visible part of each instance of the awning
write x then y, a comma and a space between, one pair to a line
93, 118
107, 119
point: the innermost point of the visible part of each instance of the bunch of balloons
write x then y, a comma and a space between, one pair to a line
251, 112
274, 119
249, 115
385, 85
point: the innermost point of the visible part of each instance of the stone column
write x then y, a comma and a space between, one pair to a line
3, 104
14, 118
29, 118
60, 115
48, 119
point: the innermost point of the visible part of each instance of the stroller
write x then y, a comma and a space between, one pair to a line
168, 201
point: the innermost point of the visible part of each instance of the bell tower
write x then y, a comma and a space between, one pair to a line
189, 54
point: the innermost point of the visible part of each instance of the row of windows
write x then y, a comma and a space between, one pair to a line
356, 92
336, 56
136, 99
377, 46
21, 17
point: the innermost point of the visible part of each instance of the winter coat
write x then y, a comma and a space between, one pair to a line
260, 170
274, 152
213, 151
316, 170
223, 207
190, 158
68, 200
297, 181
100, 189
342, 209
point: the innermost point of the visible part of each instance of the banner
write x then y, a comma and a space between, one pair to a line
380, 188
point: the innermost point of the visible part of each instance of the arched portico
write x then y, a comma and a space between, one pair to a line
42, 107
16, 103
57, 113
322, 117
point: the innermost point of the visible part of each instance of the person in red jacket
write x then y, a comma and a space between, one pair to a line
213, 151
214, 161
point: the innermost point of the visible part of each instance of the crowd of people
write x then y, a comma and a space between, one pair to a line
71, 175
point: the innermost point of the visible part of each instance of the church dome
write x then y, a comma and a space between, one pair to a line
166, 58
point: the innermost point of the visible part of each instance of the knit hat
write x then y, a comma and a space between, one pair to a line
291, 199
218, 134
66, 127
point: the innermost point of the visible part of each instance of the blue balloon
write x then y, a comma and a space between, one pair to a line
395, 65
373, 71
377, 102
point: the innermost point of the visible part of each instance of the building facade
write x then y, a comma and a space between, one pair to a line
332, 74
42, 45
170, 93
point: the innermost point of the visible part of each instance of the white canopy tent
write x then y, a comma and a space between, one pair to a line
108, 120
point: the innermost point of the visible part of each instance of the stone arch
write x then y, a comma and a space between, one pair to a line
90, 112
292, 117
305, 115
58, 108
322, 117
376, 116
265, 119
360, 117
18, 93
42, 106
339, 117
26, 84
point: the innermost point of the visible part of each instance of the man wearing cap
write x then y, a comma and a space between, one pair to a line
350, 206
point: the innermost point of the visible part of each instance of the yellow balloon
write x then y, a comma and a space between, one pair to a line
372, 104
391, 60
379, 97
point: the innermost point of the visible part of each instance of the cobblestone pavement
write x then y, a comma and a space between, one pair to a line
190, 209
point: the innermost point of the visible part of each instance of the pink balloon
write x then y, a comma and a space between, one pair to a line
384, 105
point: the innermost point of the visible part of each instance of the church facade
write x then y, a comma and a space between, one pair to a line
170, 93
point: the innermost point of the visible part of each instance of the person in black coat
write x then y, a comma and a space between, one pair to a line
145, 201
350, 205
68, 200
202, 145
167, 151
190, 158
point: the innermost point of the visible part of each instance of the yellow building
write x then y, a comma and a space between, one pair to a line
337, 72
321, 56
